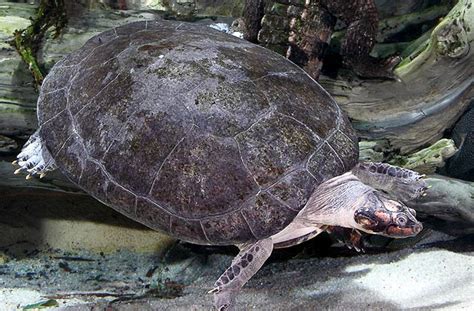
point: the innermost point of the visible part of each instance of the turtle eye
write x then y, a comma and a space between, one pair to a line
402, 220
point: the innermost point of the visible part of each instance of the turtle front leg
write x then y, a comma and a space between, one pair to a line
401, 183
352, 238
252, 16
362, 23
243, 267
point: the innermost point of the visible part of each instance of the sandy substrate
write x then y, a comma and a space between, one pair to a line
429, 276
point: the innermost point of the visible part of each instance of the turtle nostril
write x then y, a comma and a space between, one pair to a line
417, 228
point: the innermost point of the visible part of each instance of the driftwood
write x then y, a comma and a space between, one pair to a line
449, 205
17, 92
435, 89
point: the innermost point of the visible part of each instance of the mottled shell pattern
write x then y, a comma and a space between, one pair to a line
191, 131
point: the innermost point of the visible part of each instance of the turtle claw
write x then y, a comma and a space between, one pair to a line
215, 290
15, 162
224, 300
351, 238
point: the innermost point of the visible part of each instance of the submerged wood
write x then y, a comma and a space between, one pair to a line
448, 206
435, 89
427, 160
17, 92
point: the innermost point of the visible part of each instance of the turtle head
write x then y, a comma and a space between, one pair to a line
383, 216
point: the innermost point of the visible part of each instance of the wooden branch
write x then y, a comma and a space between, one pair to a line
435, 89
428, 160
448, 206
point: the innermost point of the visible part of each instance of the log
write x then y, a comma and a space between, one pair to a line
435, 89
427, 160
449, 205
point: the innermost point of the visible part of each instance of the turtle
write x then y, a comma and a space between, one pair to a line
301, 30
213, 140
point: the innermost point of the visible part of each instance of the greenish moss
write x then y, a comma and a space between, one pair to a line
278, 9
429, 159
8, 24
42, 305
220, 8
50, 14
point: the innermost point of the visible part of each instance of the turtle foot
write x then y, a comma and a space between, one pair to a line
249, 260
224, 299
352, 238
34, 159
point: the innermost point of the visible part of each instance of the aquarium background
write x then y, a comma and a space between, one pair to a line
60, 248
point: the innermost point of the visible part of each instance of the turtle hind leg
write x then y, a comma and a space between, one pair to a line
243, 267
360, 39
34, 158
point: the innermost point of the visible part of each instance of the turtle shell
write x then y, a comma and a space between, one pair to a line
188, 130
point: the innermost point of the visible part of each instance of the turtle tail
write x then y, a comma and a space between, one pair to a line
34, 158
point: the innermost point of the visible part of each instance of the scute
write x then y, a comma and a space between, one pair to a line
266, 215
274, 145
191, 131
205, 176
294, 189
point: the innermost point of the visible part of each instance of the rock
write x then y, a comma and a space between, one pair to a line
438, 272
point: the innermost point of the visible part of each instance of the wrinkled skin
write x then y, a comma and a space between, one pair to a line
384, 216
310, 29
